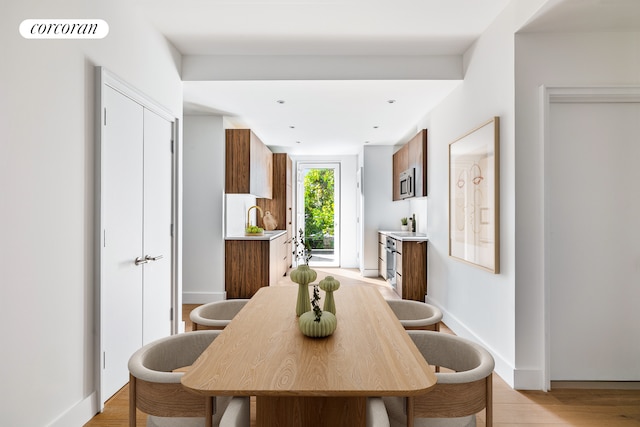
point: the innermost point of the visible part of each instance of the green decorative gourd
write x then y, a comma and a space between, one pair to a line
317, 329
317, 323
303, 275
329, 285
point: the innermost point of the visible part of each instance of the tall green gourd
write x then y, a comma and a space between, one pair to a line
329, 285
303, 275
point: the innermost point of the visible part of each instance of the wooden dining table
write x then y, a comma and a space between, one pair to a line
302, 381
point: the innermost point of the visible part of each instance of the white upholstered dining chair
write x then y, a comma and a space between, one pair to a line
376, 413
215, 315
155, 387
462, 391
416, 315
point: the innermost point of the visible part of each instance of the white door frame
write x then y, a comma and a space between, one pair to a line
105, 78
335, 165
566, 94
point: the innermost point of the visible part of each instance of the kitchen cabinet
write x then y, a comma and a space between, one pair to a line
249, 164
280, 204
251, 263
400, 164
411, 269
278, 259
412, 154
382, 255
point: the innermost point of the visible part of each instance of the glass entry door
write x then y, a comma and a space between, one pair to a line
318, 205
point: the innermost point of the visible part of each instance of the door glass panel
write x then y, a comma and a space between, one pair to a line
319, 212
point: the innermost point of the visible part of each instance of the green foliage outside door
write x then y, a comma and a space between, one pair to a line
319, 207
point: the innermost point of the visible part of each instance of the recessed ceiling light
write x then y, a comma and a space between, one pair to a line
375, 127
280, 101
298, 142
391, 101
366, 142
292, 127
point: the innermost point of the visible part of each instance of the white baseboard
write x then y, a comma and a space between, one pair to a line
528, 379
202, 297
503, 368
597, 385
369, 273
79, 414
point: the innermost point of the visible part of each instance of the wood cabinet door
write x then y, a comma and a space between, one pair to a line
382, 255
414, 270
413, 154
399, 252
261, 164
288, 196
400, 164
243, 279
280, 203
274, 252
418, 161
237, 161
248, 164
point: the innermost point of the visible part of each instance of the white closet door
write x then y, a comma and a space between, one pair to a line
136, 225
157, 227
122, 196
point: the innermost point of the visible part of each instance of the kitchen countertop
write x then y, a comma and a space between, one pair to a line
268, 235
405, 235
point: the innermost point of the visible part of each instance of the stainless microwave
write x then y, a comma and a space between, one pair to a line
407, 183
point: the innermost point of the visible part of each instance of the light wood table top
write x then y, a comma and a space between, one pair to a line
263, 353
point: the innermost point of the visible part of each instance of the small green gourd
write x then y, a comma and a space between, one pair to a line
322, 328
329, 285
316, 323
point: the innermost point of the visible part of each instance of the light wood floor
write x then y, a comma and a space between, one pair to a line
559, 407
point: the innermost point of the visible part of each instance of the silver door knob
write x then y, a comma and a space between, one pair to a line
140, 260
152, 258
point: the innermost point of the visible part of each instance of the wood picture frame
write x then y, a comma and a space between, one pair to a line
474, 197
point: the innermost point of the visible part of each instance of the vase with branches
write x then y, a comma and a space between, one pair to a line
302, 275
301, 248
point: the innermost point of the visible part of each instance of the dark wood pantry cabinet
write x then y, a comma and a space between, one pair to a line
280, 204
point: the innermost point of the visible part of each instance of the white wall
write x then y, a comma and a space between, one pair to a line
478, 304
236, 208
203, 209
348, 192
47, 179
380, 212
577, 59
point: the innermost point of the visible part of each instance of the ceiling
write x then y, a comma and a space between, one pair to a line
325, 114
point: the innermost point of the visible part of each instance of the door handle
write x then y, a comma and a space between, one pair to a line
140, 260
152, 258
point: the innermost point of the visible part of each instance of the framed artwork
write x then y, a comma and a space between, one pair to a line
474, 197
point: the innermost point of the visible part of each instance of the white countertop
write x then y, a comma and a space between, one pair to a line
268, 235
405, 235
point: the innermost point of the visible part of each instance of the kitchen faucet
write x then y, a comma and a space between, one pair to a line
249, 210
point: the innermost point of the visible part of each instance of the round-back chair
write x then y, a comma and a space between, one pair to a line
215, 315
416, 315
463, 390
155, 388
